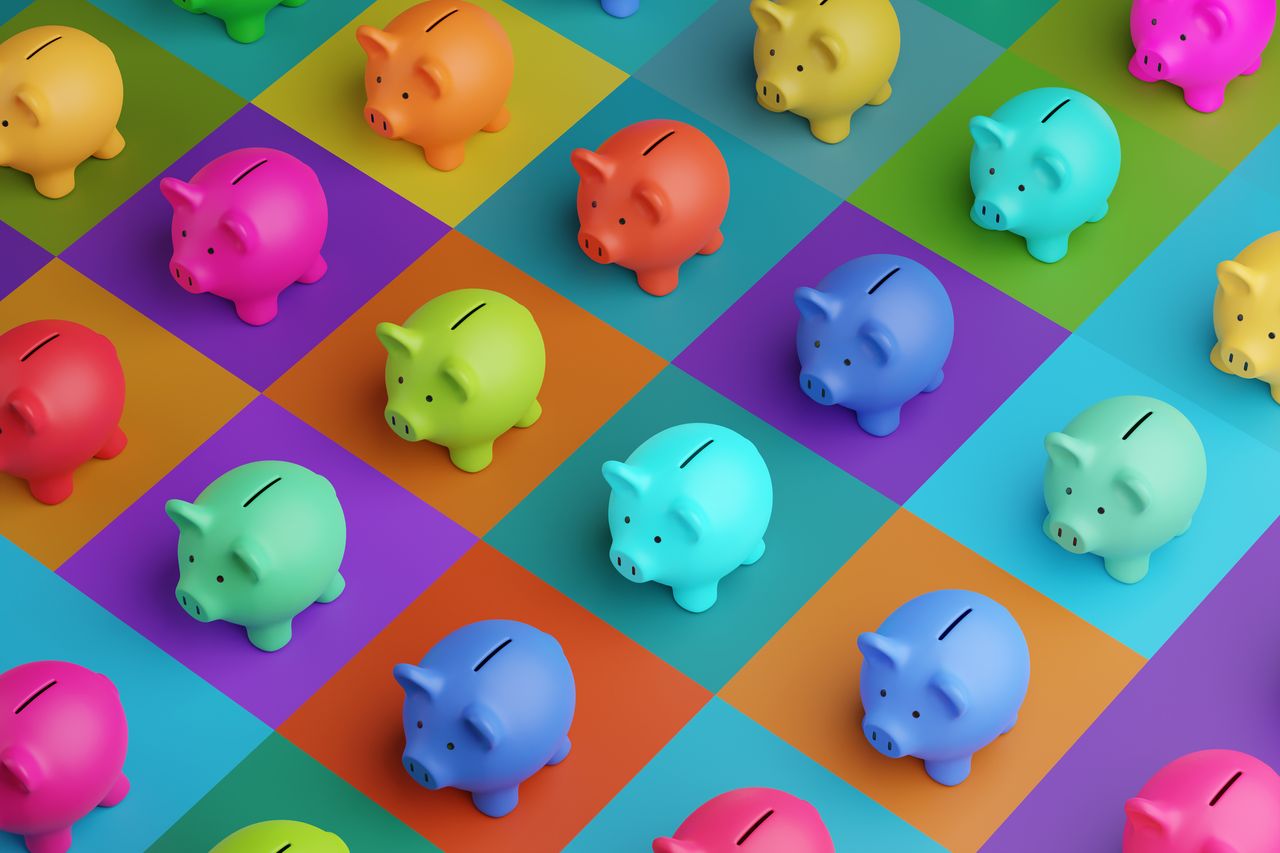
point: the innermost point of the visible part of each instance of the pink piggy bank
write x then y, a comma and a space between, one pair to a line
248, 225
750, 820
63, 739
1213, 801
1199, 45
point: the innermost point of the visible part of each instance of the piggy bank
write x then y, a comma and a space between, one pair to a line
63, 739
249, 224
436, 76
1043, 164
1122, 479
1246, 314
651, 197
246, 20
751, 820
261, 543
1214, 801
489, 706
62, 96
873, 335
61, 398
943, 677
463, 369
689, 506
620, 8
1199, 45
824, 62
273, 836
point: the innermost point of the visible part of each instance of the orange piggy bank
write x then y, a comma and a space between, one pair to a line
437, 75
60, 99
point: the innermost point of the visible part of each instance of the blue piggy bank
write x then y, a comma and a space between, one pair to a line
943, 677
1043, 164
688, 507
489, 706
872, 336
620, 8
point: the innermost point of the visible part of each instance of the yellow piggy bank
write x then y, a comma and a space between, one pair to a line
1246, 314
60, 99
824, 60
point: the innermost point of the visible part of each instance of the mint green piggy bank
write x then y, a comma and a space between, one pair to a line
273, 836
261, 544
1123, 478
246, 20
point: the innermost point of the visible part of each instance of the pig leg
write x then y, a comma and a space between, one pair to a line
247, 28
1048, 250
1012, 723
271, 638
1127, 569
756, 553
113, 146
314, 272
530, 417
880, 423
58, 841
333, 590
951, 772
496, 803
620, 8
831, 130
116, 794
114, 445
714, 244
658, 282
55, 184
257, 312
1253, 68
1102, 211
881, 96
52, 490
472, 459
934, 385
292, 2
1275, 391
561, 753
1206, 98
499, 121
695, 599
446, 158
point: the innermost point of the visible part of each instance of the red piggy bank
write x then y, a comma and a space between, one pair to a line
61, 397
652, 196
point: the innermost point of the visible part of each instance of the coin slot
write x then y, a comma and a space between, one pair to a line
489, 656
1054, 110
441, 20
466, 315
258, 493
709, 442
43, 46
35, 349
890, 274
755, 826
247, 172
1125, 437
658, 142
34, 696
953, 625
1225, 788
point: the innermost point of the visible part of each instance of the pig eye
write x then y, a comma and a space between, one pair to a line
379, 79
219, 578
1240, 317
1068, 490
1153, 22
4, 123
1183, 37
429, 398
657, 540
799, 67
595, 204
622, 221
847, 362
771, 53
191, 558
991, 171
1022, 188
404, 95
626, 519
1271, 335
184, 232
211, 250
419, 723
449, 745
915, 714
400, 380
817, 344
1101, 510
884, 693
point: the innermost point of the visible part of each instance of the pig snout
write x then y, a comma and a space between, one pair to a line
627, 566
1239, 362
817, 389
594, 247
989, 215
771, 96
1149, 65
883, 740
1070, 537
383, 123
191, 277
410, 429
422, 772
192, 605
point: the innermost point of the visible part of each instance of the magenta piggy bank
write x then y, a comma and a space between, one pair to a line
1212, 801
750, 820
248, 225
63, 739
1199, 45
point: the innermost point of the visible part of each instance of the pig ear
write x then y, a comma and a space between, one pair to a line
884, 650
378, 44
35, 102
953, 692
1065, 450
1151, 816
462, 375
28, 409
591, 165
438, 76
1136, 488
625, 478
23, 766
181, 195
770, 16
816, 305
250, 554
676, 845
831, 46
188, 516
1055, 168
1217, 845
398, 340
1236, 279
691, 514
988, 133
484, 723
1214, 18
654, 199
416, 678
882, 341
242, 229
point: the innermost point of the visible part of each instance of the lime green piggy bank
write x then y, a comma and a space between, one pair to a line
463, 369
271, 836
246, 20
261, 544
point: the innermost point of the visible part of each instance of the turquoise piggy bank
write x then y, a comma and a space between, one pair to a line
1123, 478
261, 544
689, 506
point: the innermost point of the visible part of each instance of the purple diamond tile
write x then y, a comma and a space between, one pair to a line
19, 259
373, 235
396, 547
749, 355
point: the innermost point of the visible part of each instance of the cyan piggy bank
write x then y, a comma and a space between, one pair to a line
489, 706
261, 544
872, 336
1123, 479
1043, 164
943, 677
688, 507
